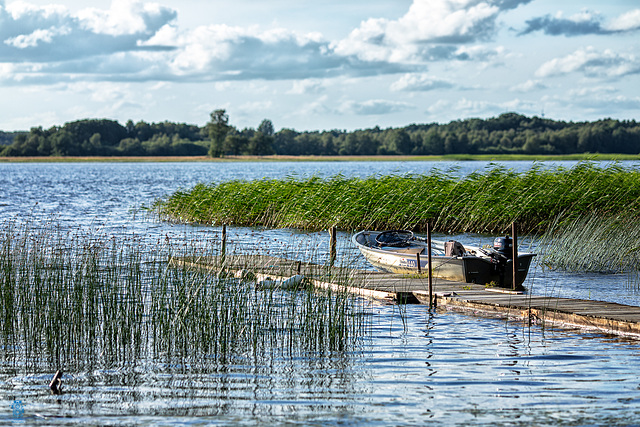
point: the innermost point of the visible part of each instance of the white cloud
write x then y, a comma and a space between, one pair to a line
420, 82
591, 91
138, 41
102, 91
427, 21
126, 17
529, 86
375, 107
465, 108
478, 53
583, 23
251, 109
306, 86
592, 63
37, 37
21, 9
604, 101
54, 35
626, 22
221, 52
446, 20
256, 106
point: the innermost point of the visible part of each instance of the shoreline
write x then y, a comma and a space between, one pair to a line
290, 158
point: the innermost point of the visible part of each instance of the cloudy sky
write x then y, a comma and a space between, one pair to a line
314, 65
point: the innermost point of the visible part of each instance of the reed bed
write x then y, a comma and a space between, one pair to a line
78, 300
486, 201
593, 243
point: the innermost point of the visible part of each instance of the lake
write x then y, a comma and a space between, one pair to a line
413, 367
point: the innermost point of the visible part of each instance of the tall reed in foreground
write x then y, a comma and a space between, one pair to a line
76, 299
487, 201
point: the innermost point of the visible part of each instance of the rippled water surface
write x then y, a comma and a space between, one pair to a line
414, 367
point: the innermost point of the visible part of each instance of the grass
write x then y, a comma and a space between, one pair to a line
77, 300
487, 201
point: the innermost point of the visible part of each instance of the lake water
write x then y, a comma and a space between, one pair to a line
416, 366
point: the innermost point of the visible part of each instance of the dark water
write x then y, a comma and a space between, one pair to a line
416, 367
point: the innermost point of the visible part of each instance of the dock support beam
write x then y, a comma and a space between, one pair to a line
333, 238
514, 249
223, 248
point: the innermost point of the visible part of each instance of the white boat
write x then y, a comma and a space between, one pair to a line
399, 251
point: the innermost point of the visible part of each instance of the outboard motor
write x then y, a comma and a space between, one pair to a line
503, 252
504, 246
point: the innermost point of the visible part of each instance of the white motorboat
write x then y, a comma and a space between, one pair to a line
399, 251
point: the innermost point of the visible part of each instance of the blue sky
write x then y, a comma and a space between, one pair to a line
311, 65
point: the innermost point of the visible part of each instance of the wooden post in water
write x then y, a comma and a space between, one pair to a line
56, 383
333, 238
514, 249
223, 248
418, 262
430, 271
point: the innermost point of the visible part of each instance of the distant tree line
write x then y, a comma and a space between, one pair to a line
510, 133
6, 138
109, 138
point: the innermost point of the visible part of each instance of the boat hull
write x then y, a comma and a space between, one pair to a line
466, 268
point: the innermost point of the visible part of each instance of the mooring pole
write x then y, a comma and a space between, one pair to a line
514, 249
223, 248
418, 262
333, 237
429, 265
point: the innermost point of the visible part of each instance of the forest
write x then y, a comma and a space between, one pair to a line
6, 138
509, 133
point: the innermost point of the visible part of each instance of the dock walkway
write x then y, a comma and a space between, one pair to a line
605, 317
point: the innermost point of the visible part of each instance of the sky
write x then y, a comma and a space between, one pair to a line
317, 65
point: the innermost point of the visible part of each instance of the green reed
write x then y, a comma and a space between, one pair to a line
486, 201
595, 242
75, 299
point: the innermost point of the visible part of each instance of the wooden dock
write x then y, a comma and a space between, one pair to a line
390, 288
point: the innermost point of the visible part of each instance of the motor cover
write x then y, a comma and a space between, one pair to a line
504, 246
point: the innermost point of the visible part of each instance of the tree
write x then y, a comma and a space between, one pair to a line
285, 142
131, 147
131, 128
532, 145
218, 127
64, 144
399, 142
266, 127
260, 144
433, 142
93, 146
111, 132
235, 144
